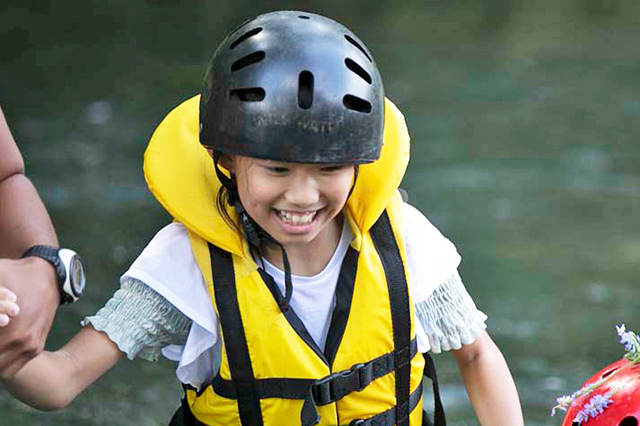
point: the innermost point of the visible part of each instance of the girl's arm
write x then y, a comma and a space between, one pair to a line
490, 386
53, 379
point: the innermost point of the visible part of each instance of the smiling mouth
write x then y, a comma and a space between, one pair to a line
297, 218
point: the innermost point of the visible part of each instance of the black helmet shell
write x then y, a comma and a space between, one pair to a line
296, 87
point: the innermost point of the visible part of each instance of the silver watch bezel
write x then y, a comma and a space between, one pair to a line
70, 259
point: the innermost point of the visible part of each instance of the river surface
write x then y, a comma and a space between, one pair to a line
525, 123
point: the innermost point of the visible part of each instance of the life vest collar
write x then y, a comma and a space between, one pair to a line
181, 176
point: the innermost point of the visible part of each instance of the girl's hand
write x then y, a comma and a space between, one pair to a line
8, 306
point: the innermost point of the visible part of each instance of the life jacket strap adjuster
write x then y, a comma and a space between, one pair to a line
338, 385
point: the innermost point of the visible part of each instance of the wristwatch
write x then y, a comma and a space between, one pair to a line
69, 268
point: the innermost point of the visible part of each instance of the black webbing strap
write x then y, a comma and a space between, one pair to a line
338, 385
183, 415
388, 418
430, 372
299, 389
234, 337
292, 318
344, 297
285, 388
319, 392
387, 248
340, 316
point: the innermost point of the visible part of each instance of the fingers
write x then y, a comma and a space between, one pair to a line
24, 338
6, 294
8, 306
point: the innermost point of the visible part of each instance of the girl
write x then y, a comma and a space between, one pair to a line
295, 286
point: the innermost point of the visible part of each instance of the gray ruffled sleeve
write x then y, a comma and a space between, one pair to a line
449, 317
140, 321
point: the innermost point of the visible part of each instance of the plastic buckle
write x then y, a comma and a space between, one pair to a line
365, 375
322, 390
337, 385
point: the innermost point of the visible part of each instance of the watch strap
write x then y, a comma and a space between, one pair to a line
50, 254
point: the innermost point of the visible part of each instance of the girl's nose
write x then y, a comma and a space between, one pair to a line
303, 191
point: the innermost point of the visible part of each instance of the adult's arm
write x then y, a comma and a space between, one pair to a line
24, 222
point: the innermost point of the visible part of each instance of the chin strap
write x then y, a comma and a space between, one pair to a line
284, 304
252, 231
257, 237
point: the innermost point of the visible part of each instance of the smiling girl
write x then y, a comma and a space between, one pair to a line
294, 287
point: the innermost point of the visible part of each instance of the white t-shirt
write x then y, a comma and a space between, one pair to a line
167, 265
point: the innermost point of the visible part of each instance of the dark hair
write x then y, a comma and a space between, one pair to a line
222, 201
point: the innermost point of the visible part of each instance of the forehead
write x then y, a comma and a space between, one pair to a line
248, 161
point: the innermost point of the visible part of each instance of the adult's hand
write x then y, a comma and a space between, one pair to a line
33, 281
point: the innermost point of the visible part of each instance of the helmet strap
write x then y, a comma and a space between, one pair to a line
284, 303
251, 229
255, 235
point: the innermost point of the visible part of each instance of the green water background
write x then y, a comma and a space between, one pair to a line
525, 123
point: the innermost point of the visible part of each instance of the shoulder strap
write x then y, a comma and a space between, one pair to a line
387, 248
438, 414
234, 337
248, 391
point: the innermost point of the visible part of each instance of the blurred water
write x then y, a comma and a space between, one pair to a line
525, 121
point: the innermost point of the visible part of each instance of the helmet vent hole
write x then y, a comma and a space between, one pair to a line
250, 94
629, 421
356, 44
356, 104
353, 66
241, 25
245, 36
608, 373
305, 90
303, 17
250, 59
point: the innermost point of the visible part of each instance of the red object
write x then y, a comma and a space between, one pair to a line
624, 408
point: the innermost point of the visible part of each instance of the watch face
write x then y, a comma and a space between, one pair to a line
76, 276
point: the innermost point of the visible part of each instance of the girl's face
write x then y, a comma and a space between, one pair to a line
294, 203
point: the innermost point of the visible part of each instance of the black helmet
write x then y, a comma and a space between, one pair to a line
293, 86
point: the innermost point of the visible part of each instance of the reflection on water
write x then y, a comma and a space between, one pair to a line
525, 153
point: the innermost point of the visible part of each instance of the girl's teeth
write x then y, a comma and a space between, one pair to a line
295, 218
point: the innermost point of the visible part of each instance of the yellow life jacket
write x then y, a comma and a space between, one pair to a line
272, 372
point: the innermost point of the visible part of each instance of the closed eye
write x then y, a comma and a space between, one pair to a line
334, 168
277, 170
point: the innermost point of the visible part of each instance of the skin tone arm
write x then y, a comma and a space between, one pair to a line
24, 222
8, 306
489, 383
52, 380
